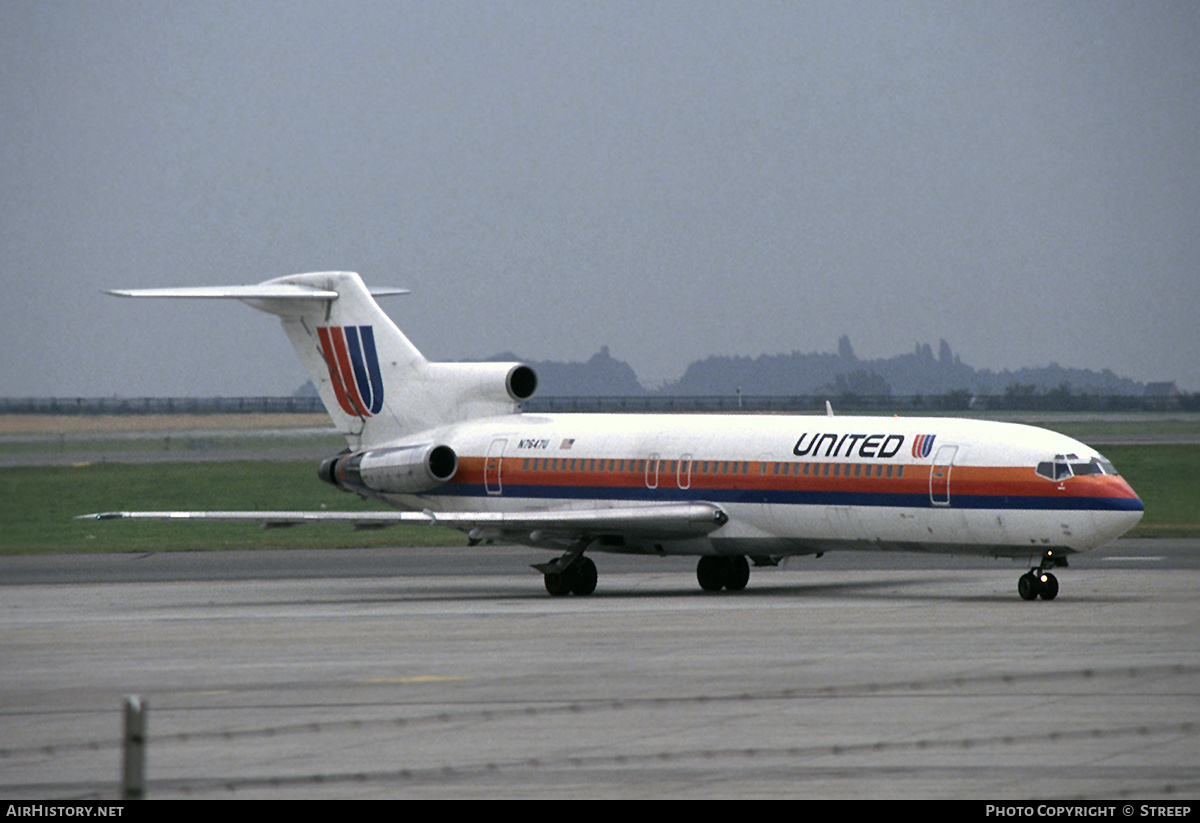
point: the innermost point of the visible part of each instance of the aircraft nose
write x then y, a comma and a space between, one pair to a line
1133, 516
1135, 502
1125, 510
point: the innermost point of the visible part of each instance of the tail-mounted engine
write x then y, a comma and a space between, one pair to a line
395, 470
500, 383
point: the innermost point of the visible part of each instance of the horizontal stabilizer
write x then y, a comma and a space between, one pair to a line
262, 291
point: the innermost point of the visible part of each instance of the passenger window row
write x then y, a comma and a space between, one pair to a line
712, 467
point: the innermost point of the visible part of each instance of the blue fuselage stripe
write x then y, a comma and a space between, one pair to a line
795, 498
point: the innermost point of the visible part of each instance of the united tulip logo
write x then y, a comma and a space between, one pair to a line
353, 368
922, 445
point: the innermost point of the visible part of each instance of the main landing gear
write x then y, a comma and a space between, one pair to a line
570, 574
573, 573
716, 573
1040, 582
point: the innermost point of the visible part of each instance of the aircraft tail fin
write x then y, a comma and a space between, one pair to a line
373, 381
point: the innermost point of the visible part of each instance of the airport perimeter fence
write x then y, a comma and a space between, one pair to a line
812, 403
160, 405
133, 780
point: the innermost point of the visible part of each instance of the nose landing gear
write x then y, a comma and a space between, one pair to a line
1040, 582
1034, 583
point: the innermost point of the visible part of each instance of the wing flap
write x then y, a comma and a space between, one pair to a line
667, 521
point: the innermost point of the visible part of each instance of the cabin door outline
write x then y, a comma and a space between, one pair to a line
492, 465
939, 475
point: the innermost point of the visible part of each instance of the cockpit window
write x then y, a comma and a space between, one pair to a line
1054, 470
1069, 465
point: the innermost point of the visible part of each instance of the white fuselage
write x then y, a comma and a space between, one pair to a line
793, 484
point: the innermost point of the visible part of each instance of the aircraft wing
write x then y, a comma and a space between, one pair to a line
668, 521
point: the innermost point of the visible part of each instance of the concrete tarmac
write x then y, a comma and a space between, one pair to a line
451, 674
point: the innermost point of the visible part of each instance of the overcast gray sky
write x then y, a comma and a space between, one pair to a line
670, 179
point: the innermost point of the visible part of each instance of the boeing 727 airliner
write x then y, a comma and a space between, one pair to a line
447, 444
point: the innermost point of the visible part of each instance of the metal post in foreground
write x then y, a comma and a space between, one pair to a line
133, 771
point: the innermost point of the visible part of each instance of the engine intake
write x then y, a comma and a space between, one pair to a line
521, 382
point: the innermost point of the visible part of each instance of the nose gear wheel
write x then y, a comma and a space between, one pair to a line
1040, 582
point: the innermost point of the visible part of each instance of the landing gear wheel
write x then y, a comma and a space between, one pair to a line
1034, 584
739, 574
710, 571
1049, 586
577, 578
558, 584
583, 576
716, 573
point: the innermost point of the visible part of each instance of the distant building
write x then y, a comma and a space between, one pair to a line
1164, 389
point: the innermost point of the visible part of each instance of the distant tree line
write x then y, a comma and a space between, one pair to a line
959, 401
918, 381
923, 372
